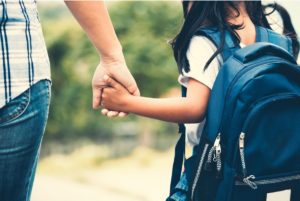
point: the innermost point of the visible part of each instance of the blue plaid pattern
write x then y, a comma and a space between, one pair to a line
23, 55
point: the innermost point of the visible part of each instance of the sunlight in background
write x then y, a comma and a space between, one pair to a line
293, 8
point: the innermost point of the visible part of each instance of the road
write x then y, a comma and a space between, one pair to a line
136, 178
125, 179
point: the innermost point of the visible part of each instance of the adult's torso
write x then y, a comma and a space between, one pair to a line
23, 55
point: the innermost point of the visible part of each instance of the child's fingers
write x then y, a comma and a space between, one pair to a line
108, 113
111, 82
123, 114
104, 111
112, 114
108, 94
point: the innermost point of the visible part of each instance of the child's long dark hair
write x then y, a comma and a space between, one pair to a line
214, 13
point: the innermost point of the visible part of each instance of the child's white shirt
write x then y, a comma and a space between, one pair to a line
198, 53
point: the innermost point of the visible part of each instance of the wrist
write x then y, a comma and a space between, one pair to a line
112, 57
128, 103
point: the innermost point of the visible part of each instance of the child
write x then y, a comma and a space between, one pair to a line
198, 61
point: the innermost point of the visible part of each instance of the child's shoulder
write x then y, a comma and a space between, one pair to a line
201, 42
200, 50
201, 47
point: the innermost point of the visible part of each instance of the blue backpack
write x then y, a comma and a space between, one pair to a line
250, 146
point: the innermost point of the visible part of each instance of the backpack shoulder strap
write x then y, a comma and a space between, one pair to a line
213, 34
268, 35
231, 44
179, 156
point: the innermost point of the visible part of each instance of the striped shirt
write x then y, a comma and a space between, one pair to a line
23, 55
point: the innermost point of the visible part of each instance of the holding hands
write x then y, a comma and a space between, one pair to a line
94, 19
112, 69
115, 97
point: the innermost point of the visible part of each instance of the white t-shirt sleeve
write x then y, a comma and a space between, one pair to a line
198, 53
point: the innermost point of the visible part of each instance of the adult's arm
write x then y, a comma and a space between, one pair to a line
94, 19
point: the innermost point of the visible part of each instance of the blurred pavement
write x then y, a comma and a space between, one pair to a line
141, 178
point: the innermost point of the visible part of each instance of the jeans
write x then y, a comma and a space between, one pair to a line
22, 125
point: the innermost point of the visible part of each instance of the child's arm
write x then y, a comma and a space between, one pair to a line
190, 109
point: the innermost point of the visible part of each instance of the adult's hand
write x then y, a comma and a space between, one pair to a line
94, 19
118, 70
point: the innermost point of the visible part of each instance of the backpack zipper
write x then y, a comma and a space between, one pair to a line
198, 173
246, 179
214, 155
272, 181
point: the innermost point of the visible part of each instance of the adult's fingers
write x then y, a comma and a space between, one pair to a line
110, 81
135, 91
123, 77
97, 93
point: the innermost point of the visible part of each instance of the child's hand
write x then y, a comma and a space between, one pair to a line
115, 97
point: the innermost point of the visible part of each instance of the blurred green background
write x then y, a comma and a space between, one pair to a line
86, 156
144, 29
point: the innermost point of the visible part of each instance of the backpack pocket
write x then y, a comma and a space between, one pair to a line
203, 181
268, 146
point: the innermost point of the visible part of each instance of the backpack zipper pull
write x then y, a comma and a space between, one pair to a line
208, 164
246, 179
214, 155
242, 154
218, 157
250, 183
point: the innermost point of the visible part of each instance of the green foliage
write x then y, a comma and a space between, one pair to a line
143, 29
